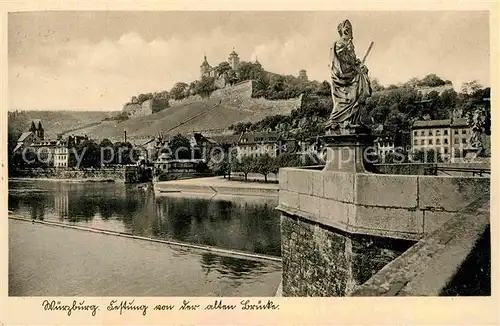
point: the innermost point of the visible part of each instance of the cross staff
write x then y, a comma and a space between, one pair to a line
367, 52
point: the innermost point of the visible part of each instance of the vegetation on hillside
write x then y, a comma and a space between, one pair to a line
394, 107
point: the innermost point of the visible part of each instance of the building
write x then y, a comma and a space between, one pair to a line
45, 150
261, 143
25, 140
37, 128
303, 75
448, 137
35, 134
385, 145
65, 150
233, 60
206, 70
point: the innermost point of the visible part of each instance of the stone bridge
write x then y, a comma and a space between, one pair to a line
347, 233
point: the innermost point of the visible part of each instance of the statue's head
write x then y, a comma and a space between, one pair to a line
345, 29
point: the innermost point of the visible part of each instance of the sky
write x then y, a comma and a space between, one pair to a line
99, 60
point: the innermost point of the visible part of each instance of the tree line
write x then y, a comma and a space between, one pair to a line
393, 107
223, 164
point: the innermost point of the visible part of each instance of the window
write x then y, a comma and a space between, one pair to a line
430, 132
464, 141
446, 150
414, 133
415, 142
446, 132
430, 141
456, 140
464, 131
456, 132
446, 141
438, 132
422, 142
422, 133
438, 141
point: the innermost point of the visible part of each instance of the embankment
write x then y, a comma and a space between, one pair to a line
217, 186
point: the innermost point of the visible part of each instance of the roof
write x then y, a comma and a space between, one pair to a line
457, 122
226, 139
18, 146
233, 53
259, 137
24, 135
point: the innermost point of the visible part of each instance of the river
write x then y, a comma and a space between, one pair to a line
47, 260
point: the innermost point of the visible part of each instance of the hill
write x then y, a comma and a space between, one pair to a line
223, 109
54, 122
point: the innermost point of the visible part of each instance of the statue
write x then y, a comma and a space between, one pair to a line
350, 85
476, 121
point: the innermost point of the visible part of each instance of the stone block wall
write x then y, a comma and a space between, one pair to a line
397, 206
319, 261
116, 174
340, 228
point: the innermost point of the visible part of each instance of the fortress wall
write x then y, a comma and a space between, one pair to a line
139, 110
131, 108
189, 99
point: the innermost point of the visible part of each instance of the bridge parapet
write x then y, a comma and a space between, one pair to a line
338, 229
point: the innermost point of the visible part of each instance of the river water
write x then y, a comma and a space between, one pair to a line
47, 260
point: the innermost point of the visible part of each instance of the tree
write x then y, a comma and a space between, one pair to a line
264, 165
231, 77
470, 87
89, 154
245, 164
178, 91
222, 68
180, 147
144, 97
431, 80
206, 86
219, 163
376, 86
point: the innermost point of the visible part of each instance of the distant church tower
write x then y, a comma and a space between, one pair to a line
233, 60
303, 75
205, 68
37, 129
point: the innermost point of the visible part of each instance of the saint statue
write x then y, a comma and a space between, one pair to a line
476, 121
350, 84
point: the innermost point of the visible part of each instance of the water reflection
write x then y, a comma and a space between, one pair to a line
234, 224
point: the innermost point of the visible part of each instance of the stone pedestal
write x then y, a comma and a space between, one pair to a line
471, 153
350, 151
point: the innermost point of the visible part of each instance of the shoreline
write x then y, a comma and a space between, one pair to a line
90, 180
216, 186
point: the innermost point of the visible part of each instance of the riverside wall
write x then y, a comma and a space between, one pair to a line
345, 227
115, 174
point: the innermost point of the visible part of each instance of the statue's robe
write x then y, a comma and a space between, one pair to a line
350, 87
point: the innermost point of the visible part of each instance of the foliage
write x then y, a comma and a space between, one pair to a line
426, 156
245, 164
180, 147
263, 165
178, 91
206, 86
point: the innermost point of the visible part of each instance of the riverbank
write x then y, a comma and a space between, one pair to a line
216, 186
65, 180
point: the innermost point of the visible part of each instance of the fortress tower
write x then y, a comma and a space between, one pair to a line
233, 60
303, 75
205, 69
